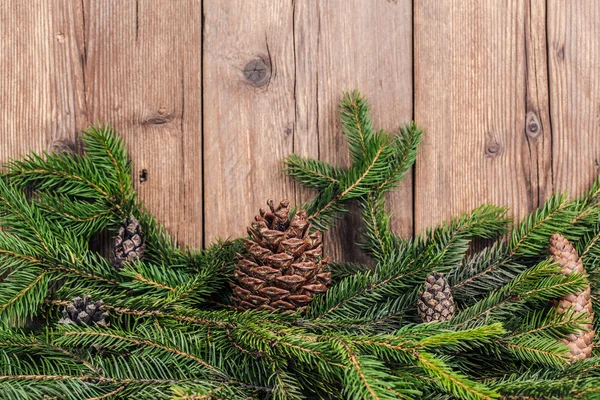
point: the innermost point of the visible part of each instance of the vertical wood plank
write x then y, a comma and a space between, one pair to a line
41, 78
475, 83
341, 46
248, 110
538, 129
574, 61
142, 75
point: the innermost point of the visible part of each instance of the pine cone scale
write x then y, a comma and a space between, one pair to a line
280, 260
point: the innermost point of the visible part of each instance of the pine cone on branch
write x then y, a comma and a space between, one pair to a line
130, 243
579, 343
435, 303
283, 267
84, 311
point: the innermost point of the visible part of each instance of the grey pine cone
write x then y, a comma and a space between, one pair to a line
84, 311
129, 243
435, 302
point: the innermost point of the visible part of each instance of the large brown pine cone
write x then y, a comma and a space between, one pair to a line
282, 268
435, 302
579, 343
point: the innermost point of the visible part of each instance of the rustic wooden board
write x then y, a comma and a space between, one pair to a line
41, 79
538, 129
141, 63
479, 78
574, 59
309, 53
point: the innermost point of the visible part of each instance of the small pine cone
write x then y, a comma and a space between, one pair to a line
565, 255
282, 268
435, 302
130, 243
84, 312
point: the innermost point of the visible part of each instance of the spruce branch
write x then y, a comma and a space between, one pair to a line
356, 124
542, 282
406, 144
379, 240
357, 182
312, 173
436, 250
494, 267
379, 161
452, 381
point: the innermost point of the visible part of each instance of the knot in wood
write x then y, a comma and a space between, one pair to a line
493, 149
258, 72
62, 146
157, 119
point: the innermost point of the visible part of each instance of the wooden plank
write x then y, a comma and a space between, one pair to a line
574, 62
248, 77
342, 45
475, 85
142, 74
311, 52
41, 80
538, 129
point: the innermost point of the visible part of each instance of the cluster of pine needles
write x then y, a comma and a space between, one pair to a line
173, 334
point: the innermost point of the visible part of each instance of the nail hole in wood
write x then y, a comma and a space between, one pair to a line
143, 175
533, 127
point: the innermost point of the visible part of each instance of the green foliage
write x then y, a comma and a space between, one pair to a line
172, 334
379, 161
313, 173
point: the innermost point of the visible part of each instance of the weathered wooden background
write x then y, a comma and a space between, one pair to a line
210, 95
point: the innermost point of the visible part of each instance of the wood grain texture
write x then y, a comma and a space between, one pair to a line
41, 78
141, 65
472, 94
340, 46
574, 60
